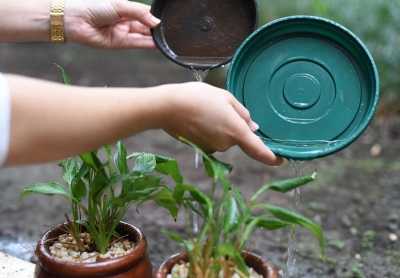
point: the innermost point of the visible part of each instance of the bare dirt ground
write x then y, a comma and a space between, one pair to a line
356, 197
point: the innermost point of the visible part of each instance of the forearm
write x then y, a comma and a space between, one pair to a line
22, 20
51, 121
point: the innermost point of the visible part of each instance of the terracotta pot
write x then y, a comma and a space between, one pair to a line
135, 264
257, 263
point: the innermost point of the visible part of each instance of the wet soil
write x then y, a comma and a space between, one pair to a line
356, 196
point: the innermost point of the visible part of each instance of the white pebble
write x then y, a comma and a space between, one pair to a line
393, 237
58, 245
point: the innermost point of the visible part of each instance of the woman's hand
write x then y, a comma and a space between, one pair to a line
214, 120
109, 24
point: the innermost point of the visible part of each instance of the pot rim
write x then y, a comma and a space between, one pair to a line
114, 265
164, 268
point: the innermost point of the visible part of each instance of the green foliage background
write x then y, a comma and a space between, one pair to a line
375, 22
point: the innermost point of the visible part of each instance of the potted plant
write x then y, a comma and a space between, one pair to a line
218, 249
94, 242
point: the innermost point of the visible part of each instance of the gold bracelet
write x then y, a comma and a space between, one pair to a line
56, 21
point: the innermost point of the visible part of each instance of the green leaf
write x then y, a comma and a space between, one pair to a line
141, 182
165, 199
241, 264
132, 196
173, 236
88, 158
189, 246
225, 249
97, 186
239, 197
110, 167
284, 185
116, 178
168, 166
145, 163
231, 215
195, 208
70, 168
196, 193
216, 168
64, 75
248, 231
120, 158
82, 171
270, 223
49, 188
82, 222
170, 206
293, 217
144, 182
78, 190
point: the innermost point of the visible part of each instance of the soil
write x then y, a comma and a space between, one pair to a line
356, 196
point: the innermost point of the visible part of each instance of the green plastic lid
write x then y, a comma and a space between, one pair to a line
310, 84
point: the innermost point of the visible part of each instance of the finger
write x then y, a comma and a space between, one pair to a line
138, 41
245, 115
137, 11
241, 110
255, 148
137, 27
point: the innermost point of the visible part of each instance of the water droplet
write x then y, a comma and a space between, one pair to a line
197, 159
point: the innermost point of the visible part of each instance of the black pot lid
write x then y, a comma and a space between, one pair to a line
203, 34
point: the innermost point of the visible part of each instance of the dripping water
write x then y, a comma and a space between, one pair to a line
200, 76
298, 166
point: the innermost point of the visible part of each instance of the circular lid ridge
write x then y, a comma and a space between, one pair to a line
309, 83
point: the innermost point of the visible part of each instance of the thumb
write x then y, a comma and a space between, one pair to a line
254, 147
137, 11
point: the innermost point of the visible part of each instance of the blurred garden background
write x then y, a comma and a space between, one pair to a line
356, 197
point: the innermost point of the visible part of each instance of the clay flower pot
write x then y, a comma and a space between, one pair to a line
257, 263
134, 264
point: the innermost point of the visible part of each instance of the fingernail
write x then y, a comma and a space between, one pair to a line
255, 125
282, 161
155, 20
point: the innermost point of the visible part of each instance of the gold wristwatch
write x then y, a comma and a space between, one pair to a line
57, 21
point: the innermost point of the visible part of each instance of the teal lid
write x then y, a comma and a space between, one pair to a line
308, 82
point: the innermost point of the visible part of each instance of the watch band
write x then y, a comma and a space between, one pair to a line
56, 21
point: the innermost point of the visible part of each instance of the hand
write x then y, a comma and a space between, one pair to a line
109, 24
214, 120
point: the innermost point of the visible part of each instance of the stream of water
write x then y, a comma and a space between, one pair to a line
298, 166
200, 76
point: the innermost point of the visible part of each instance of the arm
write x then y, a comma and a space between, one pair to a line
54, 121
107, 24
